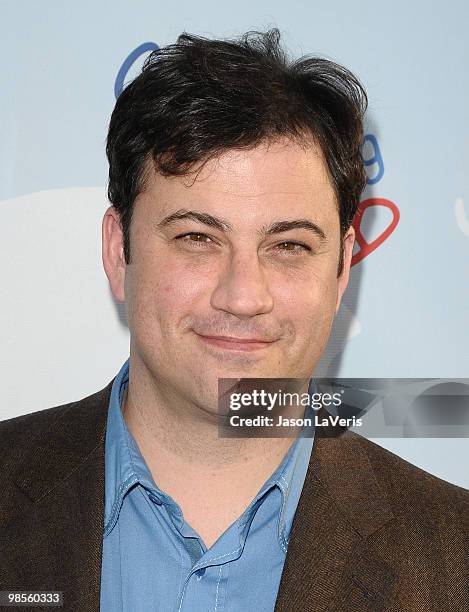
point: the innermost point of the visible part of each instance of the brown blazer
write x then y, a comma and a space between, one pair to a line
371, 533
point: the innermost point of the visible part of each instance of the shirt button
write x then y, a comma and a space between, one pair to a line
154, 499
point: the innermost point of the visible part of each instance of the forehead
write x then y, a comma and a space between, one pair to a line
280, 175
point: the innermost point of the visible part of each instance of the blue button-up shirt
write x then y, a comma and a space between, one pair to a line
154, 561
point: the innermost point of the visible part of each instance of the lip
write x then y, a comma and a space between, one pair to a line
236, 344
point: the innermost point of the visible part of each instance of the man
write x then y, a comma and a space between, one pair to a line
234, 178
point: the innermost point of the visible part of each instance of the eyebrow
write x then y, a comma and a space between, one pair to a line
225, 226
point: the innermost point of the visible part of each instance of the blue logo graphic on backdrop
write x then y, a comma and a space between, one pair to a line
128, 63
376, 158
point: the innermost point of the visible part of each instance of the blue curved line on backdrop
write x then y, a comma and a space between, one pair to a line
128, 62
376, 159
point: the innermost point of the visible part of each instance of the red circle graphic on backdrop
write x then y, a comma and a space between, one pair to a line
368, 247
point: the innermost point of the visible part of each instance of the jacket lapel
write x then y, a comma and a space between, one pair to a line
53, 539
329, 565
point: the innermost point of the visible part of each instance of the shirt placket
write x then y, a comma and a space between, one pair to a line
207, 581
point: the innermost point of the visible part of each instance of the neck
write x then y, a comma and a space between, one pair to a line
184, 452
195, 442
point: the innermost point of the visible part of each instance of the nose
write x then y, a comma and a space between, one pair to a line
242, 289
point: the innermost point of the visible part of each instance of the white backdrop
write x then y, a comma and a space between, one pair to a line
405, 313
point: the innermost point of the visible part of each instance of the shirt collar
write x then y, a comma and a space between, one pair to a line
124, 463
288, 478
125, 466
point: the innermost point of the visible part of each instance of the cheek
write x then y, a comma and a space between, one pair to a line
156, 295
310, 311
181, 287
310, 298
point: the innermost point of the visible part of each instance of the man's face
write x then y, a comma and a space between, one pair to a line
229, 276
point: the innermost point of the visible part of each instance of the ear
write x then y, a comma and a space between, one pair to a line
342, 281
113, 252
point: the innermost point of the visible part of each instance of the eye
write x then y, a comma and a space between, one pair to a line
186, 238
293, 251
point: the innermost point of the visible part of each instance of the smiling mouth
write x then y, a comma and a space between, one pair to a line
236, 344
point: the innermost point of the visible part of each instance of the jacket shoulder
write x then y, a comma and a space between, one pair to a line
20, 435
412, 490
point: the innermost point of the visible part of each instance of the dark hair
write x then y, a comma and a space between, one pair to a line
199, 97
